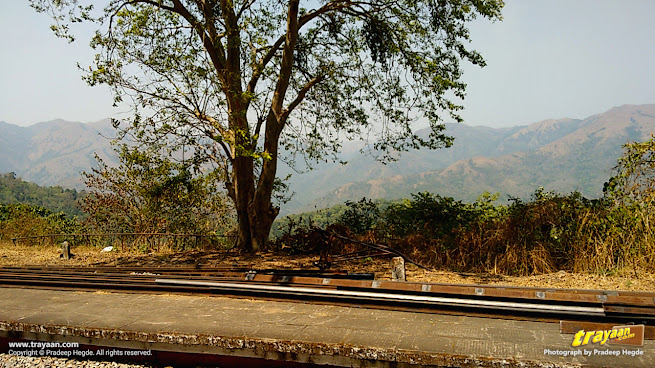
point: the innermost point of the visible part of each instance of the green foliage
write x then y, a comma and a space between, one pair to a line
632, 193
57, 199
19, 220
149, 192
486, 208
360, 216
429, 215
27, 209
547, 233
541, 235
295, 236
292, 223
550, 232
634, 182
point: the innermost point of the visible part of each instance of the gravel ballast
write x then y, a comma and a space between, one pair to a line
13, 361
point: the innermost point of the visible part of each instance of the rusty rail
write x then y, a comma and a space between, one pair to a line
381, 249
335, 287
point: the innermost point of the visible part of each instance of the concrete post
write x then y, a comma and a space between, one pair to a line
398, 269
66, 250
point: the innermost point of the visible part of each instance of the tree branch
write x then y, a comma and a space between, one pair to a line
286, 63
301, 95
246, 5
303, 20
215, 51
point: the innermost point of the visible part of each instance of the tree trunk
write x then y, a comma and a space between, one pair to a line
255, 211
262, 211
261, 221
242, 178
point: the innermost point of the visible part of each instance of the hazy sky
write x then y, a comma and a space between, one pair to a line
546, 59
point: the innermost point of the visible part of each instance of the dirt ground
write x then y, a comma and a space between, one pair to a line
23, 255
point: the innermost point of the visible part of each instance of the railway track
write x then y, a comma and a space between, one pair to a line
342, 288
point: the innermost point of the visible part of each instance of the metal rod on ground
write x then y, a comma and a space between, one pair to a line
343, 258
379, 247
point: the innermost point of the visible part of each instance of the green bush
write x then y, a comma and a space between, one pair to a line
360, 216
429, 215
21, 220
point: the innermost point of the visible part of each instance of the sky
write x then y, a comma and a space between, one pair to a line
546, 59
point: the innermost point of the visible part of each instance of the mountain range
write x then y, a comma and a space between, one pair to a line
562, 155
55, 152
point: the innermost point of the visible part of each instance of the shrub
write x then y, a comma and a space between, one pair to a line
21, 220
361, 216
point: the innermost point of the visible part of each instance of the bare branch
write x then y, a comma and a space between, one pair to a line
215, 51
246, 6
301, 95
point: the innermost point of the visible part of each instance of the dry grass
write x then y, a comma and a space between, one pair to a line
22, 255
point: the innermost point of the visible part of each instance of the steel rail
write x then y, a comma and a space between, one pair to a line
72, 278
479, 300
189, 268
541, 295
373, 296
625, 298
282, 276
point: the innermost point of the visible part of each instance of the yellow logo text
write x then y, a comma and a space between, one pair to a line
582, 338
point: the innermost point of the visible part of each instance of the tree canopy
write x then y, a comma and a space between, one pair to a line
241, 80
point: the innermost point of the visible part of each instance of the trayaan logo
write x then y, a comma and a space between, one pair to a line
619, 335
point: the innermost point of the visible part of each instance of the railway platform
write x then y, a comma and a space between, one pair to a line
294, 333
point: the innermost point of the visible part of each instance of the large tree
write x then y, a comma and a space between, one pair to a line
244, 79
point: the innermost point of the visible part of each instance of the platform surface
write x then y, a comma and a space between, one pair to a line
293, 331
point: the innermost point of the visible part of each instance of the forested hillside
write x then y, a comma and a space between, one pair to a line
56, 199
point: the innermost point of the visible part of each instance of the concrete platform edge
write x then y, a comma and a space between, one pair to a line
297, 351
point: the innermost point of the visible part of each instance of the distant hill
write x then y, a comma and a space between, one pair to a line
561, 155
57, 199
54, 152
